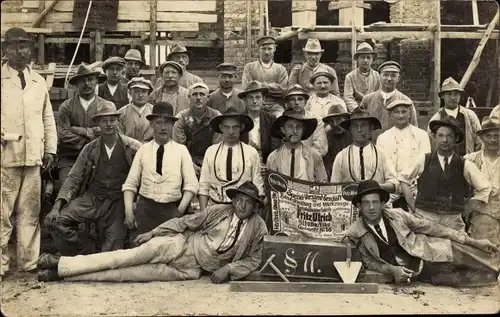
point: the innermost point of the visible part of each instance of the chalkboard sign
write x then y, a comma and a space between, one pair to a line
103, 14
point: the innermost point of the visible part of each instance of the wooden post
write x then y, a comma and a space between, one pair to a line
261, 18
98, 45
475, 13
493, 76
44, 13
249, 31
436, 82
41, 38
152, 33
354, 35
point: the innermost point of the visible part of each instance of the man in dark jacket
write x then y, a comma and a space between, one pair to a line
226, 95
113, 90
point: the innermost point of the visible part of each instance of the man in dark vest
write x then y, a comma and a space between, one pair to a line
406, 247
226, 95
443, 179
338, 137
113, 90
93, 190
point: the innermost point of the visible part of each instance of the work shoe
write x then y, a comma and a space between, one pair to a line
477, 279
48, 261
48, 276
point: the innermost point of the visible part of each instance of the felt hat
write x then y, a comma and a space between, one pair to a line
83, 71
113, 60
390, 66
253, 86
361, 114
105, 109
162, 109
365, 48
232, 112
334, 112
450, 84
318, 74
248, 188
228, 68
102, 77
448, 121
296, 90
266, 39
173, 64
398, 102
313, 46
140, 82
133, 55
370, 186
489, 124
178, 49
16, 35
310, 124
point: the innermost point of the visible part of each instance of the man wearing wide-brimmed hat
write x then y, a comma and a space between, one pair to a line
225, 240
270, 74
28, 145
443, 178
226, 95
403, 143
338, 137
295, 99
193, 128
294, 157
468, 121
162, 175
496, 111
229, 163
171, 91
376, 101
181, 55
363, 80
133, 117
408, 248
93, 190
113, 89
301, 74
321, 98
133, 65
362, 159
485, 223
75, 125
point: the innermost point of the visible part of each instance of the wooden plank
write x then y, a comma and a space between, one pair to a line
41, 38
99, 46
31, 4
50, 75
303, 287
152, 33
389, 35
475, 13
5, 27
40, 18
187, 6
436, 57
493, 77
248, 31
135, 26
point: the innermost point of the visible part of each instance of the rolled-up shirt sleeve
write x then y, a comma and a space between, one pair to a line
409, 174
476, 179
188, 173
205, 174
134, 175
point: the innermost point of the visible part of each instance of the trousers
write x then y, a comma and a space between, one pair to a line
453, 221
21, 188
64, 165
484, 226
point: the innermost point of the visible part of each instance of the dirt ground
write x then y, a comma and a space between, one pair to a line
23, 296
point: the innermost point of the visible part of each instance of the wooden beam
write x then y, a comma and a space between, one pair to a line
436, 77
41, 38
99, 46
27, 29
248, 55
134, 26
354, 34
153, 5
389, 35
475, 13
44, 13
302, 287
494, 76
479, 50
135, 41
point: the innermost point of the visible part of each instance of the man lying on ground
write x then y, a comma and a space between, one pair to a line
224, 239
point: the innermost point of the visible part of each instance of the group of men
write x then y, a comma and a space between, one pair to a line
133, 156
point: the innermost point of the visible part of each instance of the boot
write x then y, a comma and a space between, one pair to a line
48, 276
48, 261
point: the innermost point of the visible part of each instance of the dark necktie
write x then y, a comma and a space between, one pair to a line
445, 163
23, 81
379, 231
159, 158
292, 163
362, 163
235, 238
229, 164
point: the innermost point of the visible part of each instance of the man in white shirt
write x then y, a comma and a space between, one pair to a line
402, 143
322, 99
162, 173
229, 163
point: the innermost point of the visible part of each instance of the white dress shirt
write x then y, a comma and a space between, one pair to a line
15, 75
109, 151
112, 89
299, 171
370, 163
452, 112
86, 103
254, 134
441, 160
382, 228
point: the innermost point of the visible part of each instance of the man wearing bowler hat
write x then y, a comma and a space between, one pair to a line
113, 89
443, 178
162, 175
363, 80
181, 55
338, 137
171, 91
226, 95
405, 247
301, 74
225, 240
28, 145
468, 121
93, 190
133, 65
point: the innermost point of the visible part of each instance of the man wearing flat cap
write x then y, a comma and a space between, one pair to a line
28, 145
301, 74
182, 56
133, 65
133, 122
468, 121
93, 190
225, 240
321, 97
443, 178
376, 101
271, 75
193, 128
229, 163
363, 80
226, 95
171, 91
75, 125
113, 89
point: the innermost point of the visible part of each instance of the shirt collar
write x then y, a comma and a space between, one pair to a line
451, 112
86, 102
388, 95
140, 110
442, 157
14, 72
